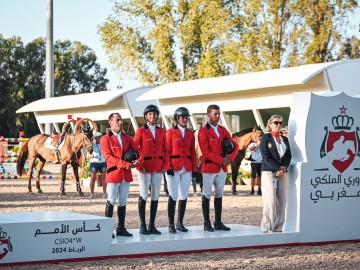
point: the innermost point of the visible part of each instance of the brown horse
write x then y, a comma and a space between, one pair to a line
69, 154
243, 139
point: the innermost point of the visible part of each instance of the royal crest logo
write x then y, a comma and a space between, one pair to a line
340, 144
5, 244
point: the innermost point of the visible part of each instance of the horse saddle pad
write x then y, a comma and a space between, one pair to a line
48, 144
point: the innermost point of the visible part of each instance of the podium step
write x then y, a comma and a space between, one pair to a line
197, 240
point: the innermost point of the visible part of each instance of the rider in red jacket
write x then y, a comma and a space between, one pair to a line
151, 140
214, 165
180, 163
118, 173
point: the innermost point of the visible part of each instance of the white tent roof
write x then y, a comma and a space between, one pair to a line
96, 106
73, 101
240, 82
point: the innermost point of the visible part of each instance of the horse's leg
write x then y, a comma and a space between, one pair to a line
75, 166
39, 168
63, 177
31, 167
234, 175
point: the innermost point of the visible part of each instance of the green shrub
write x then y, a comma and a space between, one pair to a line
85, 168
241, 175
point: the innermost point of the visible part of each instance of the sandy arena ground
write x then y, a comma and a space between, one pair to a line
243, 208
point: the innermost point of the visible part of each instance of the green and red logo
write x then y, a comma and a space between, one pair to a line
340, 144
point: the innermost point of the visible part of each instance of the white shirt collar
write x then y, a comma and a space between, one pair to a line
182, 130
216, 130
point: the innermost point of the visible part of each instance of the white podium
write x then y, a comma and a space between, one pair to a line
323, 201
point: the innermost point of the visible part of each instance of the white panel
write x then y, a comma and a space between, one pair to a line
235, 104
95, 116
137, 107
40, 236
324, 182
239, 82
196, 239
72, 101
345, 77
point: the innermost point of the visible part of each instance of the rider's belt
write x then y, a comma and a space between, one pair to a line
178, 156
148, 158
113, 168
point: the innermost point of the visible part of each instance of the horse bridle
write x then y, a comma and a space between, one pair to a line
84, 141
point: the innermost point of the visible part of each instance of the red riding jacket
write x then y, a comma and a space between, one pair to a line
118, 169
211, 148
180, 151
152, 148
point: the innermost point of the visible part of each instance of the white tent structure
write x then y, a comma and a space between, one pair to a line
256, 95
96, 106
245, 99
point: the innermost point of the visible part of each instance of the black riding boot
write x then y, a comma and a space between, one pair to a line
142, 208
121, 230
206, 213
109, 211
153, 210
171, 214
181, 212
218, 225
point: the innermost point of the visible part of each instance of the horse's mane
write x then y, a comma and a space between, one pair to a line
242, 132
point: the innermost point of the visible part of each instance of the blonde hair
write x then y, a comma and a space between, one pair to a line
271, 120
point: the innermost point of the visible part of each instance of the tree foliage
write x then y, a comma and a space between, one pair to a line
76, 70
22, 78
165, 41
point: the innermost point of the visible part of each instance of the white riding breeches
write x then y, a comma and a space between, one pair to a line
179, 184
118, 190
216, 179
147, 179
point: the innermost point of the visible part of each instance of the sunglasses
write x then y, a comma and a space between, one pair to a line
277, 123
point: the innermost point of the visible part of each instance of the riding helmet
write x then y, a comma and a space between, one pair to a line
150, 108
130, 156
227, 147
181, 111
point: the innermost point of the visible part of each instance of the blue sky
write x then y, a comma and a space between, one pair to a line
73, 20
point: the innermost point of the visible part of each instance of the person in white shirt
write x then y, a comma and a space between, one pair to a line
256, 160
276, 157
97, 165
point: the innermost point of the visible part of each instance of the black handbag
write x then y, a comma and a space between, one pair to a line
250, 158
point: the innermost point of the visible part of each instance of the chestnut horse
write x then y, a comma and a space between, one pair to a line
69, 154
243, 139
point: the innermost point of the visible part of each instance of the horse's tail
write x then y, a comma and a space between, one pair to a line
22, 158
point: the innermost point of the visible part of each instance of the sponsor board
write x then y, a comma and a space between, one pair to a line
324, 180
41, 236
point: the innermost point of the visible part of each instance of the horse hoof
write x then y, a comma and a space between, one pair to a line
63, 194
40, 191
81, 194
30, 193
